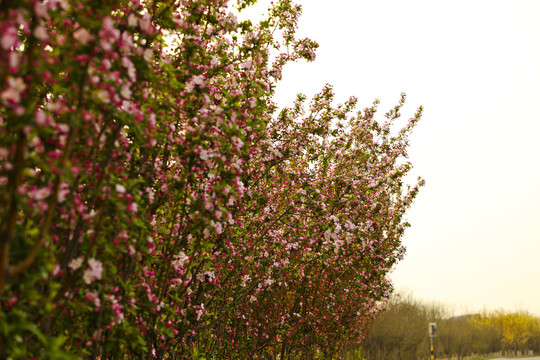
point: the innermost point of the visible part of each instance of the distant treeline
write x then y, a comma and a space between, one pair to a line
401, 332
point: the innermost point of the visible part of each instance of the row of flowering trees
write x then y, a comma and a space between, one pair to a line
154, 203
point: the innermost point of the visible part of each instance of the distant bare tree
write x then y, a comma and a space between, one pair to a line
401, 331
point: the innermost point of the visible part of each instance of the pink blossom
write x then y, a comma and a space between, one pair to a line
11, 301
126, 91
105, 45
40, 194
40, 117
10, 96
107, 64
198, 80
127, 43
61, 39
4, 153
41, 10
108, 31
41, 33
152, 120
63, 128
93, 272
103, 96
93, 296
83, 36
52, 5
132, 207
56, 271
17, 84
14, 60
180, 261
252, 103
116, 308
237, 142
76, 263
146, 24
63, 192
200, 312
147, 55
9, 38
126, 62
218, 226
132, 20
204, 154
233, 19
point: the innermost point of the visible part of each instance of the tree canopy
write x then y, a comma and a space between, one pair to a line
155, 202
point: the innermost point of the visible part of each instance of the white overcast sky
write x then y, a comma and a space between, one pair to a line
475, 67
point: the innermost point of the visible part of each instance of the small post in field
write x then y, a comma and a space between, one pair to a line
432, 334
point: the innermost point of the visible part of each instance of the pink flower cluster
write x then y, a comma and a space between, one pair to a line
93, 272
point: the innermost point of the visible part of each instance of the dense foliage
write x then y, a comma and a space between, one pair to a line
155, 203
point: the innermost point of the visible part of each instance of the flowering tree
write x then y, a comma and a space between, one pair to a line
153, 202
